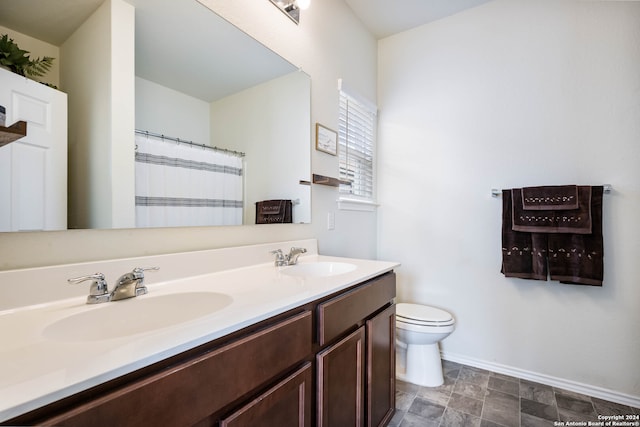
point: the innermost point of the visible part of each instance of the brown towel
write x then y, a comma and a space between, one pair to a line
569, 257
579, 258
524, 255
273, 211
553, 221
550, 197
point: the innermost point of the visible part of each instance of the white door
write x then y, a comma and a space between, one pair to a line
33, 169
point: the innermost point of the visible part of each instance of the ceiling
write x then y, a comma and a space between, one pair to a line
219, 58
203, 55
387, 17
50, 21
54, 21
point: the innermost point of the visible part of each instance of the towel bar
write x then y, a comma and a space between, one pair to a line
497, 192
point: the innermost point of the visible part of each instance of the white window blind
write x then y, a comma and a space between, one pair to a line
356, 141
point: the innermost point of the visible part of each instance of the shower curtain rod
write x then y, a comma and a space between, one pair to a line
608, 188
193, 144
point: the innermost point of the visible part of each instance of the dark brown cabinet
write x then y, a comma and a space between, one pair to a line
329, 362
356, 375
381, 367
341, 382
287, 404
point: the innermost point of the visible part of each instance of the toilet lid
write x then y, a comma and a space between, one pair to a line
418, 313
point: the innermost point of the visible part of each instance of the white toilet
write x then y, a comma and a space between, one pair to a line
419, 328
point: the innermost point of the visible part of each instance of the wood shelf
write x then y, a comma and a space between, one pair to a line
12, 133
327, 180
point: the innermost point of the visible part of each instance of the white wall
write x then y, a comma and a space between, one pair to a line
329, 43
505, 95
277, 110
122, 111
86, 59
172, 113
96, 58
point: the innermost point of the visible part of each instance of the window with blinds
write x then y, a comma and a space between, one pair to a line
356, 142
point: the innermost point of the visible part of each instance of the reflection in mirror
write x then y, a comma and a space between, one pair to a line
203, 81
250, 122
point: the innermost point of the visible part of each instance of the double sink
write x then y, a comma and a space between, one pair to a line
147, 313
56, 345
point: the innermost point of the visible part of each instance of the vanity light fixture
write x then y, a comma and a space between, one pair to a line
292, 7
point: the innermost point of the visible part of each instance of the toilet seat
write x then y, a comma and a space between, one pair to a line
422, 315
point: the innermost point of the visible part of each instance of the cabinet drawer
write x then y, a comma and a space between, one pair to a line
344, 311
196, 388
287, 404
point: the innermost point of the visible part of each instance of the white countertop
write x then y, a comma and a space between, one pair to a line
37, 369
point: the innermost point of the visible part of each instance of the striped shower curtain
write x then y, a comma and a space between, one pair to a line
182, 185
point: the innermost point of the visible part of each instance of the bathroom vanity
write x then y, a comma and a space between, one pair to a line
312, 344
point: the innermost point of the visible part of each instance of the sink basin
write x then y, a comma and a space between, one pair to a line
135, 315
318, 269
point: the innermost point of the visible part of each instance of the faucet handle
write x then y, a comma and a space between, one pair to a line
138, 275
280, 257
98, 292
278, 253
138, 272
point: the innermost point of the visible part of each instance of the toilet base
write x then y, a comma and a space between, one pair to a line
423, 365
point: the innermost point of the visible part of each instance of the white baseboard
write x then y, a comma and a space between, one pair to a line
589, 390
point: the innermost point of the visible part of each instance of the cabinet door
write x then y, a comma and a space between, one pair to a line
341, 382
33, 169
287, 404
381, 364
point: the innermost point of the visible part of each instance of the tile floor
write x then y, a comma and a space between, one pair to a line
479, 398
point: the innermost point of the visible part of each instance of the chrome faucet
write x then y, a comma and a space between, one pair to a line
294, 253
98, 292
287, 259
128, 286
131, 285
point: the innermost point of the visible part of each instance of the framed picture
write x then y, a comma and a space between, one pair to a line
326, 140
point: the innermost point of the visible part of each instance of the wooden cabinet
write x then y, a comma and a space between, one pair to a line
341, 382
381, 367
287, 404
356, 375
330, 362
351, 308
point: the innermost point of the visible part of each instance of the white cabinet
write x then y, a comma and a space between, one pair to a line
33, 169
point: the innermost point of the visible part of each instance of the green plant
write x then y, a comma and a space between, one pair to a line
18, 60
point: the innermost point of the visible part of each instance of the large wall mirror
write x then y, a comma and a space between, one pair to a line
149, 85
